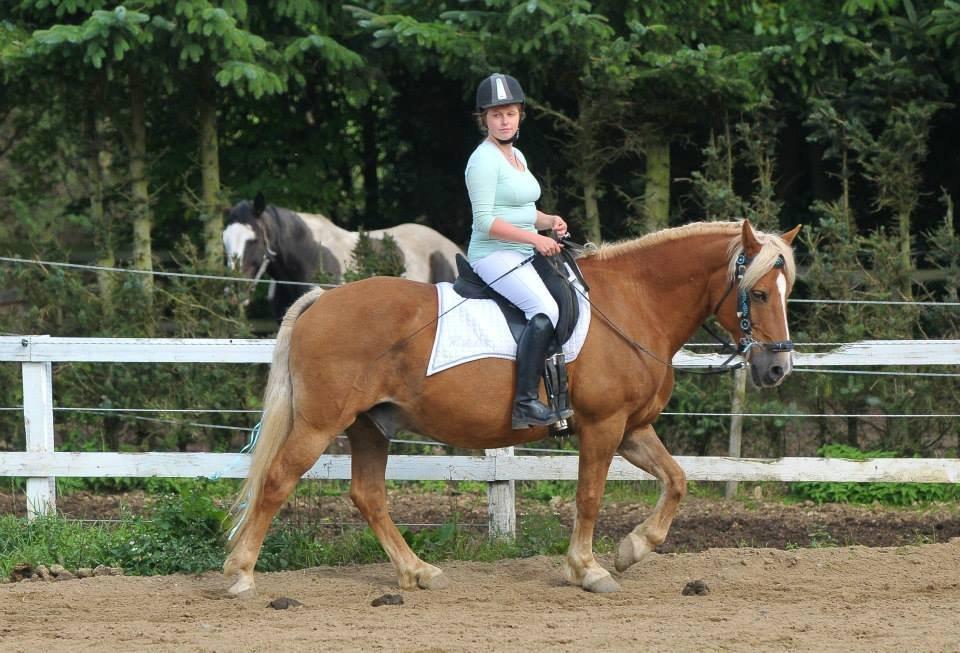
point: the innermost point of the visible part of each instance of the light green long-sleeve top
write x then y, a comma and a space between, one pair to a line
498, 190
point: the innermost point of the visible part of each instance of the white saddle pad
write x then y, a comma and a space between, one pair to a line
476, 329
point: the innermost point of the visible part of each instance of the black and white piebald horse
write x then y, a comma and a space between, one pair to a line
286, 245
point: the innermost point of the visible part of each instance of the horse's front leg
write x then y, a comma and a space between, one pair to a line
597, 446
643, 448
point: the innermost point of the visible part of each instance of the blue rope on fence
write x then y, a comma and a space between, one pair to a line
247, 448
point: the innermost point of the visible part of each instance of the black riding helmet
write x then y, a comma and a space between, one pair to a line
498, 89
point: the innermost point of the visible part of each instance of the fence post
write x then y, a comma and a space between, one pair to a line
736, 422
38, 424
501, 502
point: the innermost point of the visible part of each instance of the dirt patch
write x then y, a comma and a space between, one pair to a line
766, 594
830, 599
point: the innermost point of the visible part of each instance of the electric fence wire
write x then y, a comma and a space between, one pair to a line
186, 275
435, 443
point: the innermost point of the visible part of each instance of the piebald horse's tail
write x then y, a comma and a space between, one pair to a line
277, 420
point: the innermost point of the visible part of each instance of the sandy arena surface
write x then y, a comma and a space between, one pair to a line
828, 599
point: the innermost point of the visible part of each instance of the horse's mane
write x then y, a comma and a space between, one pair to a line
772, 247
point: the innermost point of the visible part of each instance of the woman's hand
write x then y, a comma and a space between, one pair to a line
559, 225
548, 222
546, 245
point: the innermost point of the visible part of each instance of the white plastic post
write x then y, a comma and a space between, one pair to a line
736, 423
502, 502
38, 423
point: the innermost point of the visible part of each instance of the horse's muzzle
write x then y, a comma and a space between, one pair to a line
769, 366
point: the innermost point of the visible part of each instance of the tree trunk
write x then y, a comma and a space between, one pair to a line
853, 432
371, 181
906, 262
845, 181
656, 196
211, 205
591, 221
98, 163
139, 184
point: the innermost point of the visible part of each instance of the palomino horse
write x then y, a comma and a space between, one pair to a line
353, 359
291, 246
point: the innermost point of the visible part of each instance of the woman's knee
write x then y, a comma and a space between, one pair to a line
547, 306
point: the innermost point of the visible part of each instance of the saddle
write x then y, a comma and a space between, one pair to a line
554, 272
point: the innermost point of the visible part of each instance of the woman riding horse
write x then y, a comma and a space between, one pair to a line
354, 359
503, 193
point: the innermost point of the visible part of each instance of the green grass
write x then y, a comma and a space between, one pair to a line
185, 532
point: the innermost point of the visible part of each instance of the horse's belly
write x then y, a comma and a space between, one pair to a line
456, 407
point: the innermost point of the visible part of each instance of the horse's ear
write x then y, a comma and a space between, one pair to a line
751, 246
790, 235
259, 204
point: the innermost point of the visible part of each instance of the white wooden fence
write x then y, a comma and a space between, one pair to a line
41, 464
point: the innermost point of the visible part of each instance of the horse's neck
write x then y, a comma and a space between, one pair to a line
664, 287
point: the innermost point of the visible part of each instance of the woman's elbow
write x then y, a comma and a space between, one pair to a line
483, 224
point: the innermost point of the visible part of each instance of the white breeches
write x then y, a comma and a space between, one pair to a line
523, 286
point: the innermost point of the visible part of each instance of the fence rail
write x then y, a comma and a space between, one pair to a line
41, 464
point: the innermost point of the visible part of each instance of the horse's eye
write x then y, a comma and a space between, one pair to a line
759, 295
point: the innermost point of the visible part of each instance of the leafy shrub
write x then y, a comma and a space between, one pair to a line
375, 258
185, 534
898, 494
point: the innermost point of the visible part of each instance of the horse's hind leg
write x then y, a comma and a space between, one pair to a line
296, 455
643, 448
368, 450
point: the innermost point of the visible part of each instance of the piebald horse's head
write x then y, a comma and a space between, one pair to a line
245, 240
753, 308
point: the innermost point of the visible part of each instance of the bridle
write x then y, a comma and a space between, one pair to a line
269, 256
747, 342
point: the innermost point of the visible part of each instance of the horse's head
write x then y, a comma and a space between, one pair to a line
244, 238
754, 308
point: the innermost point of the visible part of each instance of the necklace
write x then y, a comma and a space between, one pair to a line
511, 157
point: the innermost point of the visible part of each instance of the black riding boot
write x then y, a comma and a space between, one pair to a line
528, 410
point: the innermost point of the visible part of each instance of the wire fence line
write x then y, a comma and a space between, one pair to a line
187, 275
127, 412
135, 414
161, 273
131, 413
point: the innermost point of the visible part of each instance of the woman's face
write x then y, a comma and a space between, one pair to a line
503, 121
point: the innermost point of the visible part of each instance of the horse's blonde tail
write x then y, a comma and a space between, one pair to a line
276, 422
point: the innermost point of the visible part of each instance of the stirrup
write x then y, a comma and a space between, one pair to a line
525, 420
555, 381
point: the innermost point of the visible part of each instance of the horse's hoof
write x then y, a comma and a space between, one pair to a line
438, 582
632, 550
243, 588
602, 585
